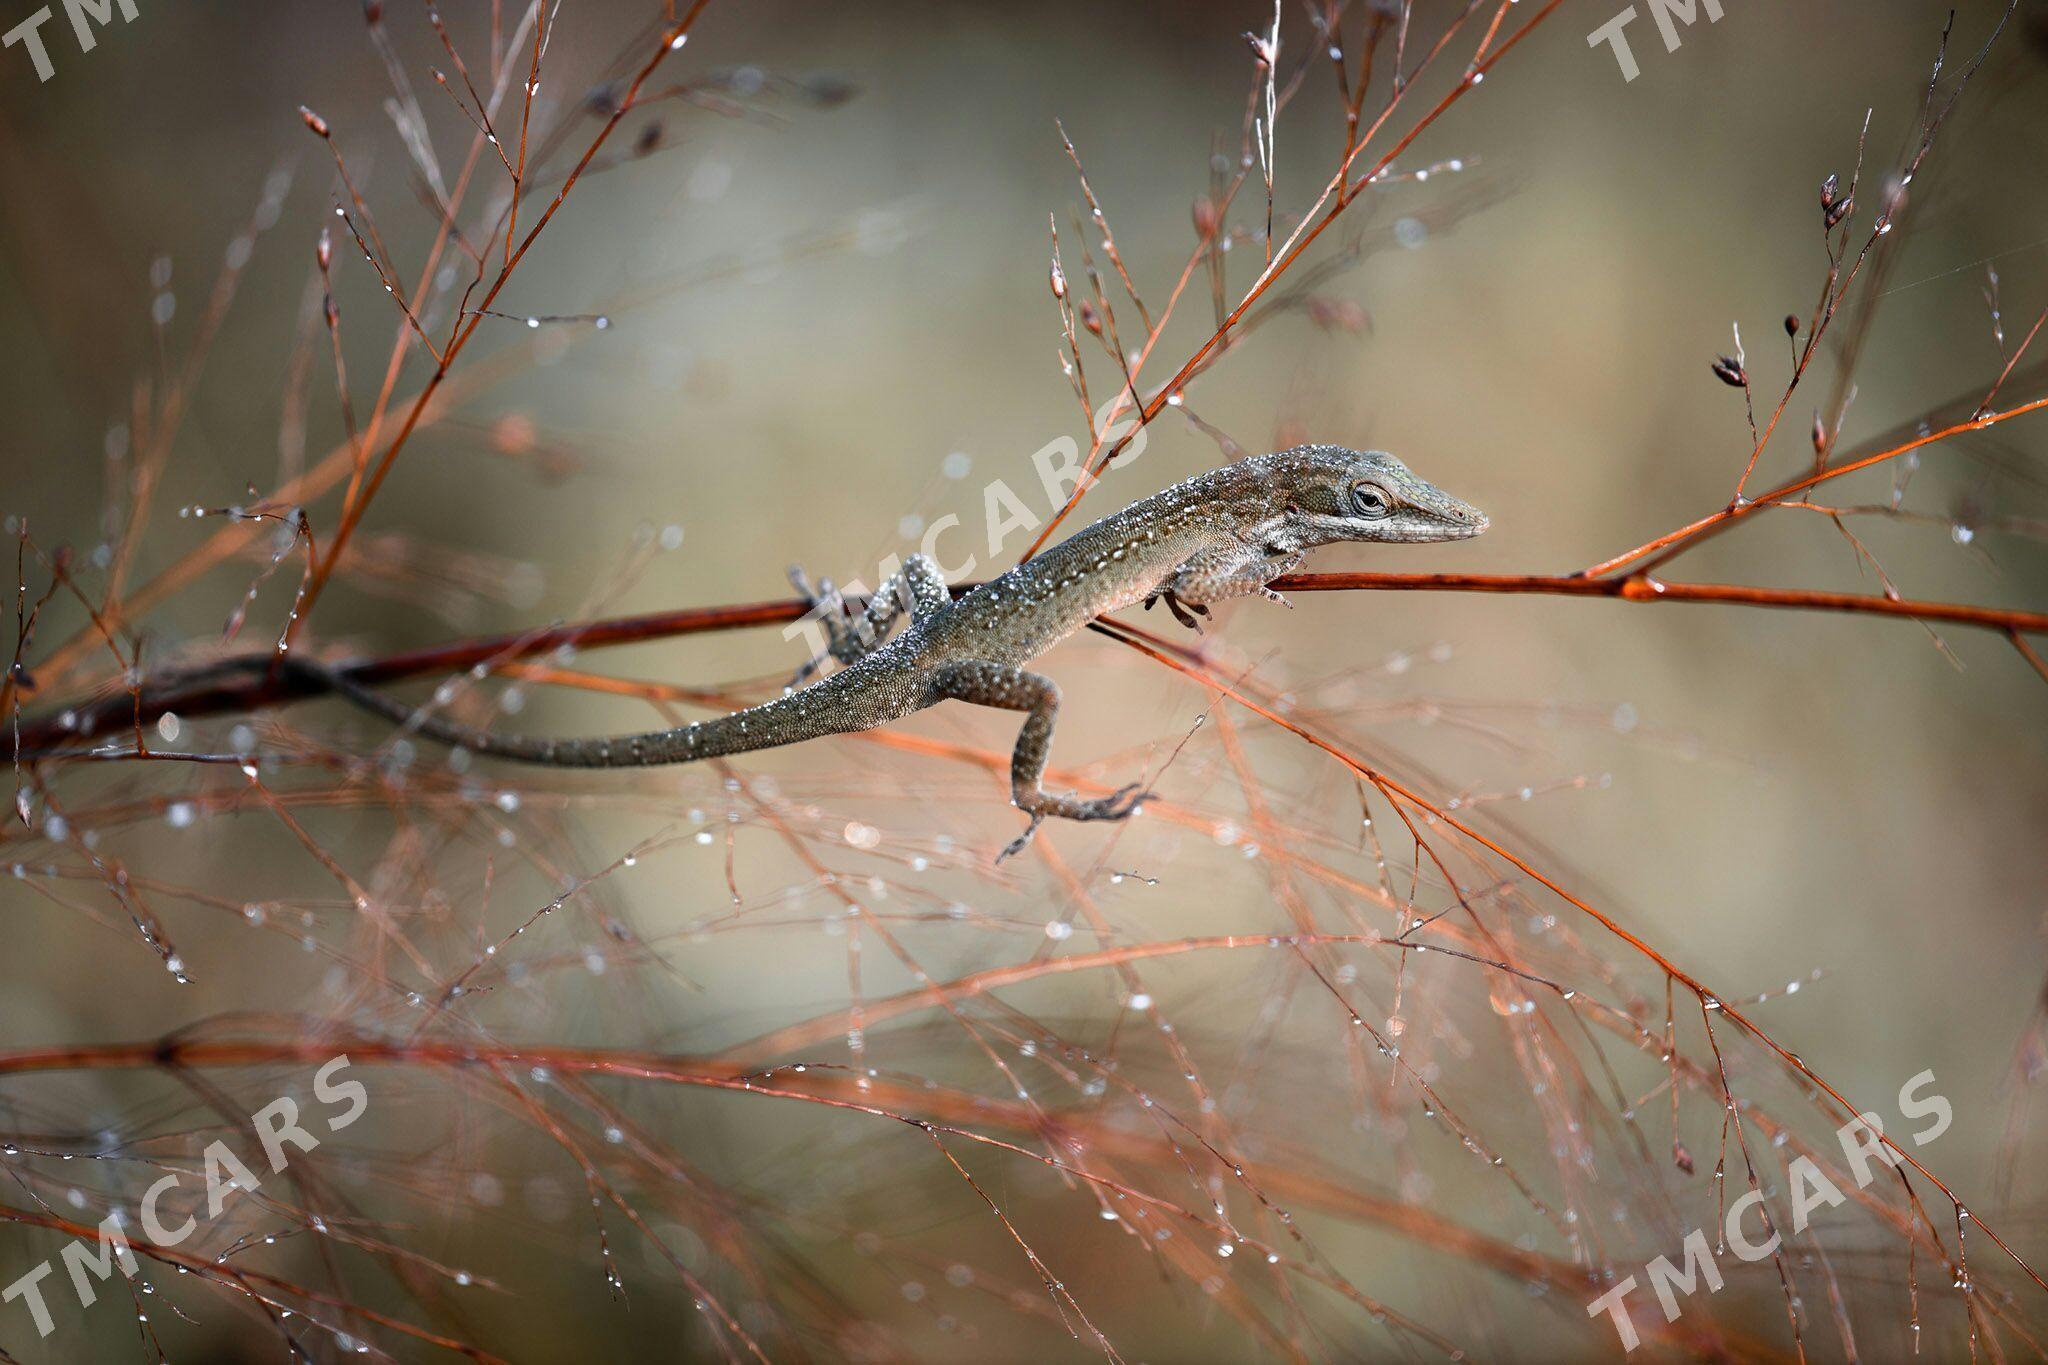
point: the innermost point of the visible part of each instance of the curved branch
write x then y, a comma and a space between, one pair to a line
1668, 544
1642, 588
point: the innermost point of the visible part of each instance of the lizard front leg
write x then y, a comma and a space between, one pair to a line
1013, 689
1216, 575
1183, 612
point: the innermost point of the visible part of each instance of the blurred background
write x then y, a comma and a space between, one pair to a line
823, 275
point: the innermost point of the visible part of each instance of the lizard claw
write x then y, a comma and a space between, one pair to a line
822, 595
1022, 841
846, 632
1118, 805
813, 599
1121, 803
1181, 610
1272, 596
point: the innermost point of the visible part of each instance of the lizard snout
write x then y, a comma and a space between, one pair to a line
1457, 519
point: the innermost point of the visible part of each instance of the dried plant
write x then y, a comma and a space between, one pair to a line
1431, 1100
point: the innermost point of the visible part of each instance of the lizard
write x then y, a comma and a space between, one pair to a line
1223, 534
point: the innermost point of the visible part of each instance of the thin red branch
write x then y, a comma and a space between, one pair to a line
246, 683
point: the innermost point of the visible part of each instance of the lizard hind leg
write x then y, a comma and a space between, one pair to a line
1014, 689
918, 586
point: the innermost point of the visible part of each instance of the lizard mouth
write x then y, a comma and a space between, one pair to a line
1460, 521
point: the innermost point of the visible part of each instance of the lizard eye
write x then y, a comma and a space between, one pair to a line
1370, 501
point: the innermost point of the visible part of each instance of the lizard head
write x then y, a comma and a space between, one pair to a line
1338, 494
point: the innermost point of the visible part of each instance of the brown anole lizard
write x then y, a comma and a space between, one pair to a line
1227, 533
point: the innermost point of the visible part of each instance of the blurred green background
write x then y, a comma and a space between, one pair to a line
1795, 792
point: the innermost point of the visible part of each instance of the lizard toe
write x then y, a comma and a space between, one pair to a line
1022, 841
1119, 804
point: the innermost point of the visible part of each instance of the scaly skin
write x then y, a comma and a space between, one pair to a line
1227, 533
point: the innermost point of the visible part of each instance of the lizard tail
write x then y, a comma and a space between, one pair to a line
841, 704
